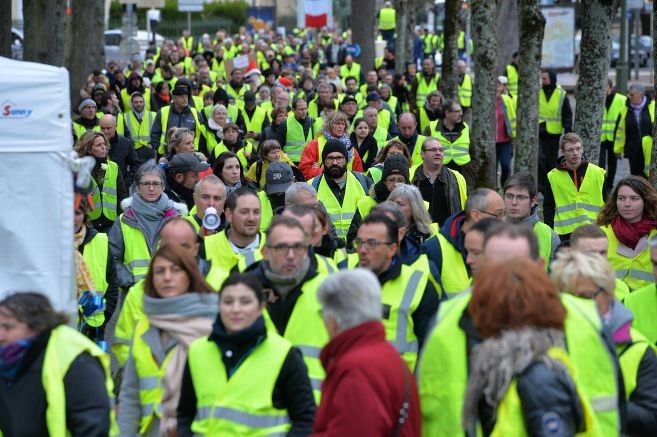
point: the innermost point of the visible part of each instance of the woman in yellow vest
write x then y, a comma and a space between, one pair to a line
270, 151
135, 236
107, 186
53, 380
629, 219
95, 275
245, 379
213, 131
179, 306
520, 381
589, 276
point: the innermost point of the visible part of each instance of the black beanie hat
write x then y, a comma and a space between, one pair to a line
395, 164
333, 145
220, 96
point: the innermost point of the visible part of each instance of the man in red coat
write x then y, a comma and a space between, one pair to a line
368, 389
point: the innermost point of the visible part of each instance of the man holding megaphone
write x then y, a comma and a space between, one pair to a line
207, 215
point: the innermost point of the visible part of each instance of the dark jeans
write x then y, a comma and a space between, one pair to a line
389, 37
608, 160
503, 159
548, 150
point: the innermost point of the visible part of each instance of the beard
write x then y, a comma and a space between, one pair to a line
336, 171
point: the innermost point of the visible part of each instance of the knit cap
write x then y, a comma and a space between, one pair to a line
334, 145
395, 164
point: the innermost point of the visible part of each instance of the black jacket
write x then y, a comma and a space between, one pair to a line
123, 153
292, 390
642, 404
23, 402
635, 130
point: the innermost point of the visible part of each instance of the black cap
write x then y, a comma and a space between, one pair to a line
278, 177
373, 97
249, 97
184, 162
180, 89
348, 98
334, 145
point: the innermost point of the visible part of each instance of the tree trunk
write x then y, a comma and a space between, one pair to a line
653, 157
448, 74
363, 26
483, 98
46, 31
531, 24
87, 49
405, 29
5, 28
507, 32
595, 54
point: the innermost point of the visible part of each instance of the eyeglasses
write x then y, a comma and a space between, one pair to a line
150, 184
335, 158
498, 215
595, 293
518, 197
370, 244
284, 249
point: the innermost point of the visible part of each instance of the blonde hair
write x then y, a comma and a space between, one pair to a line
176, 135
570, 265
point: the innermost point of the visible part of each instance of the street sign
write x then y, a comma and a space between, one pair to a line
190, 5
353, 50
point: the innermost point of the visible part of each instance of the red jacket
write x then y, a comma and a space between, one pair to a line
365, 386
311, 156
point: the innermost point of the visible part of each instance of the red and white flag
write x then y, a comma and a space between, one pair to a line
317, 12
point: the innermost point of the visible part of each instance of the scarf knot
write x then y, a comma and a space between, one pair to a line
630, 233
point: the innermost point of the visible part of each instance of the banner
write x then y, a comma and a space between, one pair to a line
317, 12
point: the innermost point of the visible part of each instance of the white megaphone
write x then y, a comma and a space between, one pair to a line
211, 220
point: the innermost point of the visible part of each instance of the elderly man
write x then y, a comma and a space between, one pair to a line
447, 248
455, 335
358, 355
210, 192
634, 133
87, 120
291, 283
121, 149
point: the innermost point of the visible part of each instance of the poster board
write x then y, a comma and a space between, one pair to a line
559, 37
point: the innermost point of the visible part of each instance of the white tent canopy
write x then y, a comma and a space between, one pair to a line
36, 217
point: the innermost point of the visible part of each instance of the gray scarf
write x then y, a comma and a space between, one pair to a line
285, 284
495, 362
150, 216
230, 189
187, 305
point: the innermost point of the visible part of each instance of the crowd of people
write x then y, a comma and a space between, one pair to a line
298, 247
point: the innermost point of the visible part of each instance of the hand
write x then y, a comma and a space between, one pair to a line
620, 156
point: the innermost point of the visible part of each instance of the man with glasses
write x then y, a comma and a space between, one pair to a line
409, 299
290, 283
575, 190
592, 239
339, 189
634, 131
454, 135
443, 188
522, 207
447, 248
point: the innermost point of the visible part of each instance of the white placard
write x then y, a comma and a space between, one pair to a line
559, 38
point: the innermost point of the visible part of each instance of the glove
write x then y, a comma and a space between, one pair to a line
91, 304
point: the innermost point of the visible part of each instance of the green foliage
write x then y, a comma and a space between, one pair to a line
228, 15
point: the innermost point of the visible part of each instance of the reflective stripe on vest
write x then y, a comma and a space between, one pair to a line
575, 207
424, 88
465, 91
341, 215
136, 255
306, 330
219, 251
149, 372
610, 117
242, 403
295, 141
95, 254
457, 151
635, 271
403, 295
164, 121
105, 201
64, 346
140, 132
550, 111
454, 274
630, 356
